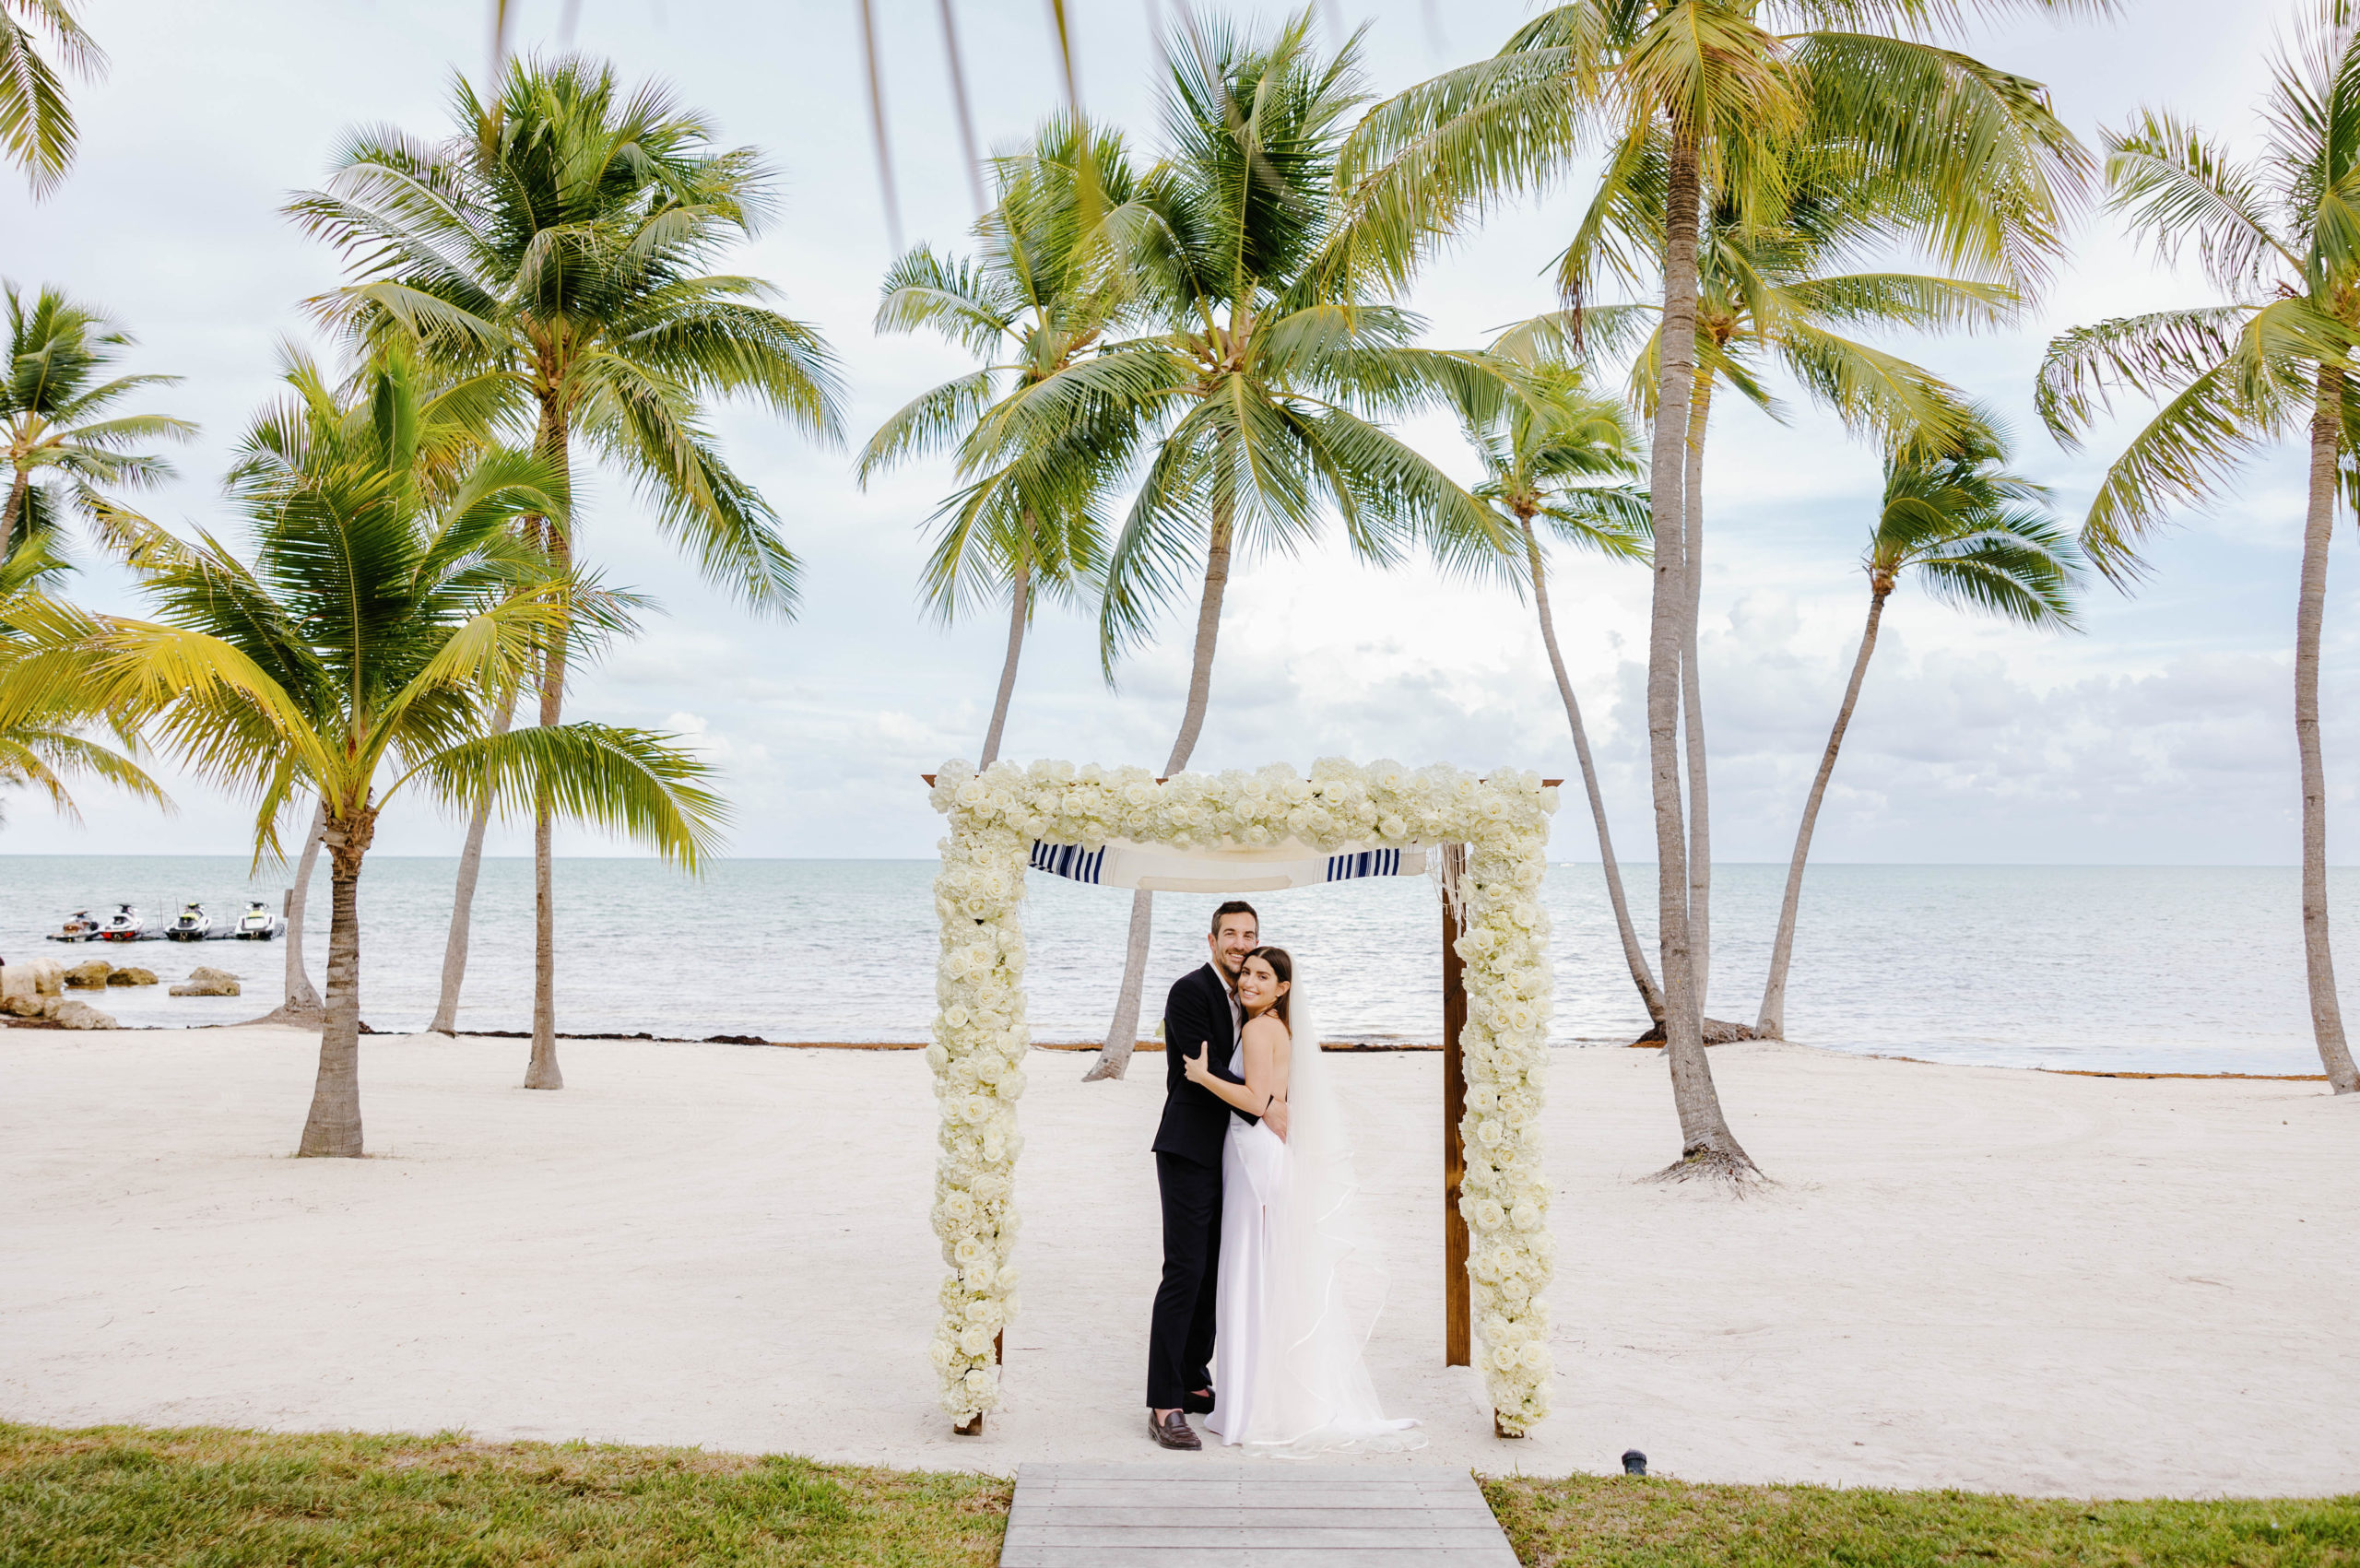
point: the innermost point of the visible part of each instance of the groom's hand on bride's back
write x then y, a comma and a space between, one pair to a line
1275, 1118
1195, 1068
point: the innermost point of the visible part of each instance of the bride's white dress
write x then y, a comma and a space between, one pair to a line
1298, 1291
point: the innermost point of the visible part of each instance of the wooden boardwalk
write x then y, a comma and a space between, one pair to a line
1257, 1513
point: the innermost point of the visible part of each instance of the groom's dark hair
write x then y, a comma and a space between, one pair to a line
1234, 906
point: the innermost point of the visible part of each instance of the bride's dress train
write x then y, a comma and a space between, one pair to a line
1298, 1291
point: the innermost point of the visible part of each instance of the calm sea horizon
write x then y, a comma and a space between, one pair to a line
2156, 969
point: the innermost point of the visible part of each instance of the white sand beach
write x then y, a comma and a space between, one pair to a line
1981, 1278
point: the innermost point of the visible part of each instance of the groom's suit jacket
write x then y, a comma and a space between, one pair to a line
1194, 1118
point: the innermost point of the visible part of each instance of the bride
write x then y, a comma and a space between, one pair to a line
1296, 1295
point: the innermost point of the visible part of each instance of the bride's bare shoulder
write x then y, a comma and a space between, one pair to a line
1267, 1027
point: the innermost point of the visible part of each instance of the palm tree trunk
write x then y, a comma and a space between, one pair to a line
1020, 606
1691, 697
1632, 954
1123, 1033
302, 1001
541, 1069
1772, 1023
1707, 1147
463, 899
333, 1128
2318, 528
14, 510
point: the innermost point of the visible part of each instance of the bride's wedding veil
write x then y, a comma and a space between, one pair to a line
1326, 1287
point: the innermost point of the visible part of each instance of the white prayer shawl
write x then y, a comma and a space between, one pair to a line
1230, 868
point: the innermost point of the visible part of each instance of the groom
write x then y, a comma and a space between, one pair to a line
1202, 1013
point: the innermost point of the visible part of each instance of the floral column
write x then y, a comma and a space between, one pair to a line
978, 1061
1504, 1198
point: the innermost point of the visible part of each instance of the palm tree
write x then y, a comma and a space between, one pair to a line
360, 653
37, 130
1732, 101
41, 743
1558, 455
1768, 297
1255, 390
59, 440
556, 243
1977, 537
2275, 236
1041, 293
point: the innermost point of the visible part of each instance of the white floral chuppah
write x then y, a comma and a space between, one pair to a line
981, 1040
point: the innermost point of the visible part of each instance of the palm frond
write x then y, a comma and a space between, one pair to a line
2175, 186
37, 128
634, 783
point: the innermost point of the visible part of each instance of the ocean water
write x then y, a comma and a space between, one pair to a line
2189, 968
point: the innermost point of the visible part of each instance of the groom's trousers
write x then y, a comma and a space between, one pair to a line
1180, 1338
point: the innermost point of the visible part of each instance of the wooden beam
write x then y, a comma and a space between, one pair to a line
1457, 1314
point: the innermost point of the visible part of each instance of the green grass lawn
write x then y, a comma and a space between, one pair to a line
213, 1499
1600, 1522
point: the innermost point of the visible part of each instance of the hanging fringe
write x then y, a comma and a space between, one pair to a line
1447, 863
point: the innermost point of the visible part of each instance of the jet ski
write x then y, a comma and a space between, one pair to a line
258, 924
124, 925
79, 927
192, 924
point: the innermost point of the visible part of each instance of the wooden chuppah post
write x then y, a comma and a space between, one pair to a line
1457, 1312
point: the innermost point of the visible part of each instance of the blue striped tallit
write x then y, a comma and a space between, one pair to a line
1070, 860
1367, 862
1223, 868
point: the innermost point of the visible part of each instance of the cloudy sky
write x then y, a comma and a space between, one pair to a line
2159, 734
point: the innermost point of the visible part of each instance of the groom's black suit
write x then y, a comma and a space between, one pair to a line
1188, 1169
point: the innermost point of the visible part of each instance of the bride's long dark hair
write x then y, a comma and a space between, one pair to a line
1282, 966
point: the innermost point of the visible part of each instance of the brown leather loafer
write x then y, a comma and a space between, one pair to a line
1172, 1432
1197, 1404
